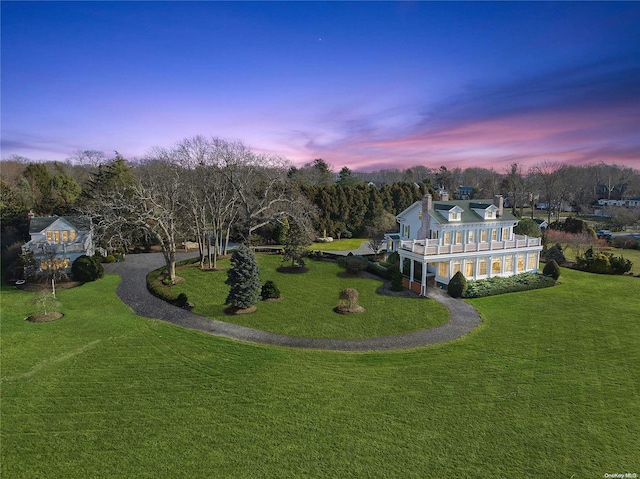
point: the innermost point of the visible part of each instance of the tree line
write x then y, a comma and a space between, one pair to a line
211, 191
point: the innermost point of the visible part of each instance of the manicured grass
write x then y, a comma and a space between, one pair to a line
548, 386
338, 245
308, 299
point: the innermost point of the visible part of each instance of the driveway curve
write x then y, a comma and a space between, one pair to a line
132, 290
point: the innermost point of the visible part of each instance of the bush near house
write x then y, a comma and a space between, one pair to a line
603, 263
552, 269
85, 268
457, 286
353, 264
520, 282
555, 253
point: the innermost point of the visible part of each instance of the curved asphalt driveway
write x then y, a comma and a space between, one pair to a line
133, 292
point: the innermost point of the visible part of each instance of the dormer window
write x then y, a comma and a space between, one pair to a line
489, 215
454, 216
420, 215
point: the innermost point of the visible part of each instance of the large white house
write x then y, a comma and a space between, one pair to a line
440, 238
57, 241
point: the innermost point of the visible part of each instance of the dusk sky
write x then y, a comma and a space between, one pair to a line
369, 85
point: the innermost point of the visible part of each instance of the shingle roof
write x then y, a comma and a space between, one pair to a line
468, 215
39, 223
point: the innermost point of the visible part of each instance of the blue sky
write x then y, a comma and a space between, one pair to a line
369, 85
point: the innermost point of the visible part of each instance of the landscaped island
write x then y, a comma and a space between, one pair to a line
308, 300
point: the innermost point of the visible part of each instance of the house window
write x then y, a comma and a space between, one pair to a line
489, 215
443, 269
508, 263
532, 262
406, 231
482, 267
458, 237
505, 234
469, 268
454, 216
457, 266
420, 215
72, 235
447, 237
494, 234
496, 266
65, 236
483, 236
56, 236
49, 235
470, 237
520, 263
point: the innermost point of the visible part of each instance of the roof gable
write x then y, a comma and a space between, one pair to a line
41, 223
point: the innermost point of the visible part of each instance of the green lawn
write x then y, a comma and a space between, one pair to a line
338, 245
548, 386
308, 301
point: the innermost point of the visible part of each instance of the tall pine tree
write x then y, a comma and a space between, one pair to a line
244, 279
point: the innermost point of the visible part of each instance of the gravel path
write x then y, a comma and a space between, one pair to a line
133, 292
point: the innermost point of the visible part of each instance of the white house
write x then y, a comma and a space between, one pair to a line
440, 238
57, 241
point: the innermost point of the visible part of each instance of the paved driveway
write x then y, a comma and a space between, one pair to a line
133, 292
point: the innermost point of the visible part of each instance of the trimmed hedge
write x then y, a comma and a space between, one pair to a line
379, 270
458, 285
157, 288
520, 282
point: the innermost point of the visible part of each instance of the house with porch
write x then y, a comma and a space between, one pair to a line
57, 241
439, 238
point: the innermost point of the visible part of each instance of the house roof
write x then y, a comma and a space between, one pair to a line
468, 214
40, 223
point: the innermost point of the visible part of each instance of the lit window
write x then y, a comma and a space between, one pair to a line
482, 267
489, 214
483, 236
49, 235
443, 269
505, 234
447, 237
520, 263
496, 266
532, 262
457, 266
72, 235
470, 237
469, 269
65, 236
494, 234
56, 236
508, 263
454, 216
420, 215
458, 237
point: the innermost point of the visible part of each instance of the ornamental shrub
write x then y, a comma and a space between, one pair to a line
393, 258
552, 269
499, 285
109, 259
182, 300
86, 268
396, 279
457, 285
269, 291
353, 264
555, 254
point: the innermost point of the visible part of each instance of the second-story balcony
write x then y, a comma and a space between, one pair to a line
430, 247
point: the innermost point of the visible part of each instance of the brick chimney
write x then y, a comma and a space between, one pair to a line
498, 200
444, 196
425, 227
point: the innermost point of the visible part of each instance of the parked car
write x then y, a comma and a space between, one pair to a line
603, 234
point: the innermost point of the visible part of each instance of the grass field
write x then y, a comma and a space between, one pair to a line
338, 245
548, 386
308, 301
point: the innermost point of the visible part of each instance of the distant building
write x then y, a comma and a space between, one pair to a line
464, 193
57, 241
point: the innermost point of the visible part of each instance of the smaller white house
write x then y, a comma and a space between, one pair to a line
439, 238
57, 241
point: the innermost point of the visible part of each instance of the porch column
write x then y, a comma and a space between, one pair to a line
423, 289
412, 269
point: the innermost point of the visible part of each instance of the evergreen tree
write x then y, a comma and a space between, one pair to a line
244, 279
296, 240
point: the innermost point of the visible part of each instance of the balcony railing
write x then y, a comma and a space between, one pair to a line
429, 247
57, 248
